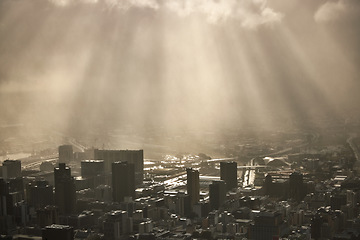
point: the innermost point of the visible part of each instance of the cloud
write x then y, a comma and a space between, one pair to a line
250, 13
337, 10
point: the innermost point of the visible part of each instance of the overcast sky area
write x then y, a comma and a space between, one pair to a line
180, 64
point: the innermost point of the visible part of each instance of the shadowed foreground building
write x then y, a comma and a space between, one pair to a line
123, 180
65, 192
58, 232
217, 193
193, 185
228, 173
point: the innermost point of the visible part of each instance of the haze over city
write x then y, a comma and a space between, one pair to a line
180, 65
179, 119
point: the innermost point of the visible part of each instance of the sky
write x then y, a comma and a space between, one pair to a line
178, 64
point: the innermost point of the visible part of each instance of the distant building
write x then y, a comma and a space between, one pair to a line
217, 194
228, 173
135, 157
11, 169
193, 185
116, 224
58, 232
123, 180
65, 191
66, 153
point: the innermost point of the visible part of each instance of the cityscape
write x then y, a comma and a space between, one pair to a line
179, 119
301, 185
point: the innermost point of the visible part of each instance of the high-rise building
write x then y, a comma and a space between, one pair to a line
7, 219
193, 185
135, 157
11, 169
297, 188
92, 168
65, 191
58, 232
116, 224
47, 216
66, 153
40, 194
228, 173
123, 180
217, 194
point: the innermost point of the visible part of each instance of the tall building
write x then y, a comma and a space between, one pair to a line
135, 157
58, 232
66, 153
116, 224
92, 168
228, 173
217, 194
65, 192
7, 211
193, 185
123, 180
297, 188
11, 169
40, 194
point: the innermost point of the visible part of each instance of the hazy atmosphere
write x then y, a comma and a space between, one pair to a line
178, 64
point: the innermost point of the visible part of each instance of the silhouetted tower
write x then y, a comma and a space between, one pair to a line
297, 189
267, 187
193, 185
66, 153
65, 192
7, 211
40, 194
228, 173
217, 194
11, 169
123, 180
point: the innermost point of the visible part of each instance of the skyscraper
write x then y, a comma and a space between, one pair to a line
217, 194
11, 169
297, 188
123, 180
193, 185
66, 153
65, 192
228, 173
135, 157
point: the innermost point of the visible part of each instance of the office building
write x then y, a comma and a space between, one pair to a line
193, 185
11, 169
217, 194
135, 157
66, 153
92, 168
58, 232
65, 197
123, 180
297, 188
228, 173
116, 224
47, 216
40, 194
7, 211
